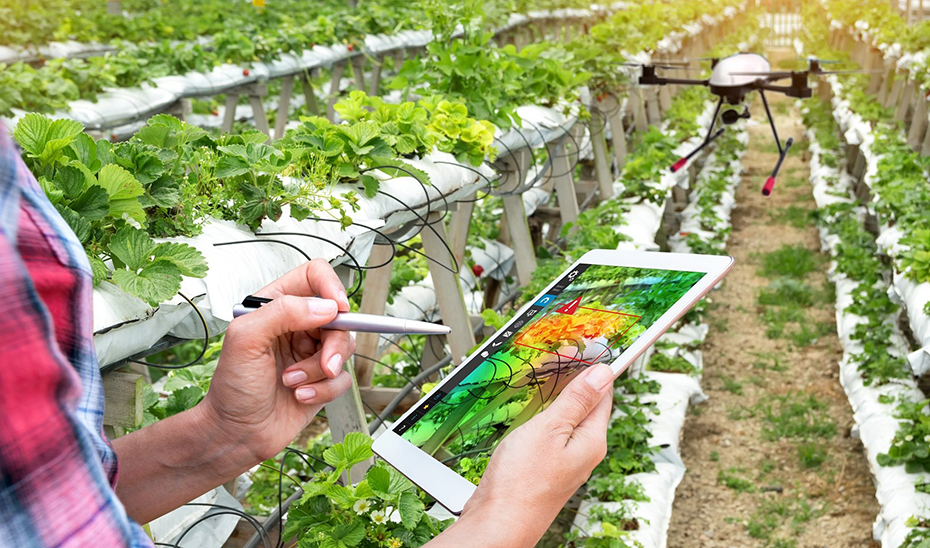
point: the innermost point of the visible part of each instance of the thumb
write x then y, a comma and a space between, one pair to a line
582, 395
285, 314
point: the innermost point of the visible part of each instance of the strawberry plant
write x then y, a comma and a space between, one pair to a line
383, 509
99, 200
911, 443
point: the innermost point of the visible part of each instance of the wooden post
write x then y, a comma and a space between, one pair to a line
891, 86
114, 7
374, 87
617, 132
345, 414
284, 106
374, 299
601, 164
338, 70
516, 229
459, 224
635, 100
123, 406
925, 151
309, 96
358, 71
652, 104
448, 289
229, 116
564, 184
918, 121
256, 92
904, 98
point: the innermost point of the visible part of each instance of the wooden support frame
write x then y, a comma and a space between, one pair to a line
459, 225
284, 106
564, 182
635, 103
905, 96
374, 86
346, 414
611, 107
255, 93
601, 161
358, 71
918, 127
333, 96
374, 300
448, 288
123, 407
306, 84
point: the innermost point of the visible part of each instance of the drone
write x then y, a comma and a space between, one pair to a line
731, 79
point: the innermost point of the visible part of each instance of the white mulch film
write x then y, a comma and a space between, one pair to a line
875, 422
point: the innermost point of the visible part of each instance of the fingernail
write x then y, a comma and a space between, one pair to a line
321, 307
292, 378
343, 298
305, 393
600, 377
334, 365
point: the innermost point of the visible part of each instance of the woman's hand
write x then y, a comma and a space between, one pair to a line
537, 468
277, 368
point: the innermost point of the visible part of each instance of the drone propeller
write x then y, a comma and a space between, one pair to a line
661, 66
781, 75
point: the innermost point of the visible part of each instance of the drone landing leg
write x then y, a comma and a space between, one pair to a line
782, 150
708, 139
770, 182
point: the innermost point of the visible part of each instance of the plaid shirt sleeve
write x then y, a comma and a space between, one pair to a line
57, 469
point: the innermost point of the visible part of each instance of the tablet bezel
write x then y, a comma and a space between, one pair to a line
451, 490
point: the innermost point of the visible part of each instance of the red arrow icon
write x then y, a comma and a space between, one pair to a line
569, 308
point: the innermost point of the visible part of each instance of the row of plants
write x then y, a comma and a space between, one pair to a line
251, 35
629, 448
879, 349
171, 177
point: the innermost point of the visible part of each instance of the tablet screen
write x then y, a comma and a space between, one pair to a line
592, 315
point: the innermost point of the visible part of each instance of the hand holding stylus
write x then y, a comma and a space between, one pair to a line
537, 468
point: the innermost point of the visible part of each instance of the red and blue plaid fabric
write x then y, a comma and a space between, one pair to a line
57, 469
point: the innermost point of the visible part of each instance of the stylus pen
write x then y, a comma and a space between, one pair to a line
351, 321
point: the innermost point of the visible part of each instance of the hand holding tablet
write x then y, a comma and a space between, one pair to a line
608, 308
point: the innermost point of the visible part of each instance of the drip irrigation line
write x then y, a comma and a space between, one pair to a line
206, 342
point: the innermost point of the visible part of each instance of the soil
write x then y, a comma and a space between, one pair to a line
782, 504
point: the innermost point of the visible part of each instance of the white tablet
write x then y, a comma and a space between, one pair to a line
608, 307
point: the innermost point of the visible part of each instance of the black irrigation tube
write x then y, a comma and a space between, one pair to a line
206, 342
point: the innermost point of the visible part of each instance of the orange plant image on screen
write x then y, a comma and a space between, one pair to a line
554, 330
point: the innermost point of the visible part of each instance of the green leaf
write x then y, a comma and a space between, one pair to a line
231, 166
188, 259
155, 135
93, 204
154, 284
133, 247
341, 495
379, 480
411, 510
354, 449
71, 181
183, 399
32, 133
99, 269
124, 191
84, 150
350, 534
371, 185
79, 225
165, 192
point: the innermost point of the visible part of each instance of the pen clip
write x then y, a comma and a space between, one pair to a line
252, 301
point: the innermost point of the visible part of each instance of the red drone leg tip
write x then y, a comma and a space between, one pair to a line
679, 164
768, 186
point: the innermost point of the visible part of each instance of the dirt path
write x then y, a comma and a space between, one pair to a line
765, 467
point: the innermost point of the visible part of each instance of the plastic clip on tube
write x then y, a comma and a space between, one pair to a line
350, 321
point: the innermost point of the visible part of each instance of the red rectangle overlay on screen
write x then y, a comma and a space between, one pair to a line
553, 330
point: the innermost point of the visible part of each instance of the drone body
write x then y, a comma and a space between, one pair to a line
731, 79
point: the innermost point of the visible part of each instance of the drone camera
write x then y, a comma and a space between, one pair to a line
732, 116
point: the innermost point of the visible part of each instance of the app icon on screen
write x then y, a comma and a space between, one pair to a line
545, 299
